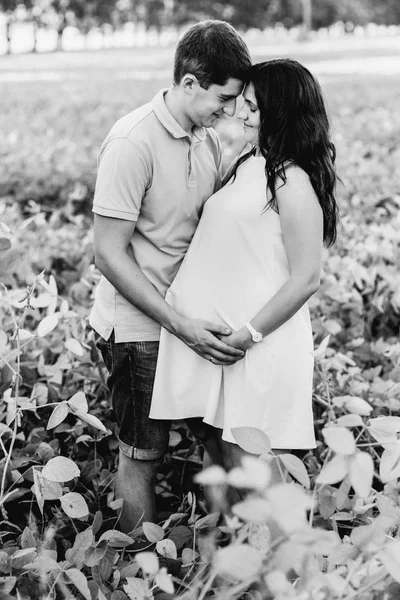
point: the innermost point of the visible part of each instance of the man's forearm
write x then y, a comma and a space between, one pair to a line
123, 272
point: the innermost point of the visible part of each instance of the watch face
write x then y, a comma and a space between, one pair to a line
257, 337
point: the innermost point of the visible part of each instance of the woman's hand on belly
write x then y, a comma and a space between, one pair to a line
240, 339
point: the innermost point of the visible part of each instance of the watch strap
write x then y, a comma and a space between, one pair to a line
256, 335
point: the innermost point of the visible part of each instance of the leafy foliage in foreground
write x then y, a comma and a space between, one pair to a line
59, 520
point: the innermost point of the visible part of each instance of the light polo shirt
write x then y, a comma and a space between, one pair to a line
152, 172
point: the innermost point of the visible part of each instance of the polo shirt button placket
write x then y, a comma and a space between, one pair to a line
190, 159
191, 178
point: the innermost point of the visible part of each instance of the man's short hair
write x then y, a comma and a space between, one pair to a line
214, 52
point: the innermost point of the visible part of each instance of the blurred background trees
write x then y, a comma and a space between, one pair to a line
112, 15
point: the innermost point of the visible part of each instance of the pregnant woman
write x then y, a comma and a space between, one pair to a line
254, 261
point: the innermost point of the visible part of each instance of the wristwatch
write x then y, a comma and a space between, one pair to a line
256, 336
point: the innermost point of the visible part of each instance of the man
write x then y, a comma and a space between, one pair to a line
157, 167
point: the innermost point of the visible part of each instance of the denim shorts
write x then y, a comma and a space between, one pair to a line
132, 367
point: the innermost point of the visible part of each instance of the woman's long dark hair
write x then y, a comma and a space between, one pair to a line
294, 128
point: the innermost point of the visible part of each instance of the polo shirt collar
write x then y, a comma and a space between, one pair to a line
169, 122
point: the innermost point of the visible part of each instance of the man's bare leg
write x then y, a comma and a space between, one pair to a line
135, 484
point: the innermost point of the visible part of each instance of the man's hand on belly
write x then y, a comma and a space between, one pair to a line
203, 337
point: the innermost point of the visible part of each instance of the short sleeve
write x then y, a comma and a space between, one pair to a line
123, 178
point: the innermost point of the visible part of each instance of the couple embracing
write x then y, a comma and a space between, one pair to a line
202, 308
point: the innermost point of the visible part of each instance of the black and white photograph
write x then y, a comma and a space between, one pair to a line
199, 300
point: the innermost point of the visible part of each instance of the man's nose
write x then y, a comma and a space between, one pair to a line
230, 107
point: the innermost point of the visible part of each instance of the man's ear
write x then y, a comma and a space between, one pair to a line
189, 83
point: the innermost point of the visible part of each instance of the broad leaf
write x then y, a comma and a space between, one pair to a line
320, 351
74, 505
91, 420
252, 510
94, 554
384, 429
350, 421
78, 402
167, 548
52, 490
7, 585
253, 474
214, 475
116, 539
251, 439
58, 415
47, 325
41, 393
38, 484
42, 300
237, 563
210, 520
164, 582
28, 539
339, 439
181, 535
5, 244
154, 533
3, 341
318, 540
24, 335
148, 562
83, 541
333, 471
343, 554
175, 439
326, 501
80, 582
60, 469
358, 406
295, 467
188, 556
74, 346
390, 557
389, 467
259, 537
20, 558
361, 473
135, 588
289, 504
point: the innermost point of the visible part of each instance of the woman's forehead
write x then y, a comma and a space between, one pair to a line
248, 93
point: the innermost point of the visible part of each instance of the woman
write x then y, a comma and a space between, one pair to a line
253, 263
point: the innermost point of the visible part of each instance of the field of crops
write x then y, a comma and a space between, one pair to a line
58, 526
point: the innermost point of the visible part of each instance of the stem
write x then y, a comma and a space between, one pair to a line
278, 462
370, 444
2, 357
310, 521
207, 585
7, 462
17, 383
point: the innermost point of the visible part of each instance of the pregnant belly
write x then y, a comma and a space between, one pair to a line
224, 300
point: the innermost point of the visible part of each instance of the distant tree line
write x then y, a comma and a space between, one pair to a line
159, 14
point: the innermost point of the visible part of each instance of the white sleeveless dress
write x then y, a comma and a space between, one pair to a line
236, 262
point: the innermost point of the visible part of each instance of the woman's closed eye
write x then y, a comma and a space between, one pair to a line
251, 106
